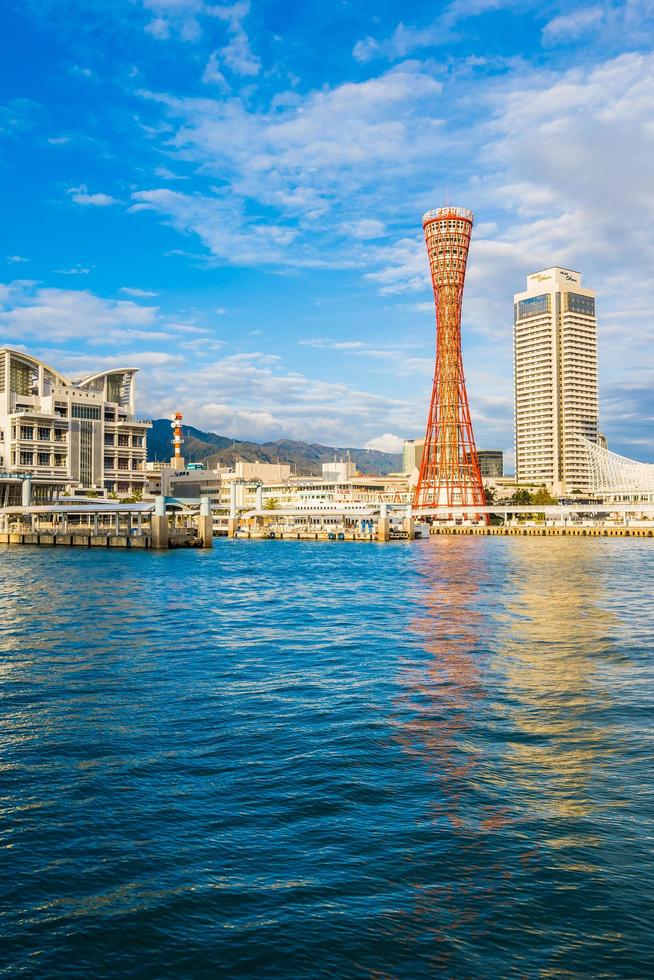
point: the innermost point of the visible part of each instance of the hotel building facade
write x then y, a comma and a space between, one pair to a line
555, 372
73, 433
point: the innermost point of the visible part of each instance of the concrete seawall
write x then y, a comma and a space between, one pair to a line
78, 540
577, 532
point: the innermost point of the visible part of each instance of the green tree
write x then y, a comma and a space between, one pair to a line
543, 497
271, 503
489, 493
522, 497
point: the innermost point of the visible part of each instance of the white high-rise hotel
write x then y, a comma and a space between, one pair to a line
555, 364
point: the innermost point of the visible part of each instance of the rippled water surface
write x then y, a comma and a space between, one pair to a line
287, 759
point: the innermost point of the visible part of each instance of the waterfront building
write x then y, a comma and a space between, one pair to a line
412, 451
261, 471
188, 484
491, 463
555, 371
617, 478
340, 471
71, 433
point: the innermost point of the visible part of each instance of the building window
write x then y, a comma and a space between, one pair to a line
59, 435
576, 303
86, 453
85, 412
44, 459
44, 434
123, 464
59, 460
108, 463
123, 440
534, 306
137, 441
26, 459
26, 432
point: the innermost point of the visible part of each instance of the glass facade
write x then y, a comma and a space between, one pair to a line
85, 412
86, 453
576, 303
534, 306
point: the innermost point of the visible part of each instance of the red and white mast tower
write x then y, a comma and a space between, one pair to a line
450, 477
177, 461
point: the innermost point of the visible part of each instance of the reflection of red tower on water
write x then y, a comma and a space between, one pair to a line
449, 473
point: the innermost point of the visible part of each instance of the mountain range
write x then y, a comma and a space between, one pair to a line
306, 458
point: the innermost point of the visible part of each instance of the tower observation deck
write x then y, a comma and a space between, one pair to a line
450, 476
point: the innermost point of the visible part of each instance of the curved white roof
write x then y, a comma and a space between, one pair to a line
610, 473
82, 382
35, 361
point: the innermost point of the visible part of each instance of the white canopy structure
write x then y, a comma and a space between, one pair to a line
614, 475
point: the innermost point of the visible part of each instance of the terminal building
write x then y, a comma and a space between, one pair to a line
80, 434
555, 369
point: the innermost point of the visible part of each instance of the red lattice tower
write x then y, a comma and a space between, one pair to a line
450, 477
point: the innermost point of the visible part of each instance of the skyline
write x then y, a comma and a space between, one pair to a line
285, 292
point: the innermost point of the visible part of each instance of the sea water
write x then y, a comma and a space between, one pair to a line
294, 759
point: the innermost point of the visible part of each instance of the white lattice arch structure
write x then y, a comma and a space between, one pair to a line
611, 474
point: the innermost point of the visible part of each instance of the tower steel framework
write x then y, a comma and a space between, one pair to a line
450, 476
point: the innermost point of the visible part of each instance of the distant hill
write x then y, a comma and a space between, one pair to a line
307, 458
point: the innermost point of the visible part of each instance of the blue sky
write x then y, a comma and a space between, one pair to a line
229, 198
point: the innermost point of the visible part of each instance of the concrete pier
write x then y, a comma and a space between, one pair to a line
205, 523
159, 524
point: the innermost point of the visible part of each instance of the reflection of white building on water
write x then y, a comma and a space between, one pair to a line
63, 433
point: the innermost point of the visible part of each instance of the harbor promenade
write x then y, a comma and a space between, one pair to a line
162, 524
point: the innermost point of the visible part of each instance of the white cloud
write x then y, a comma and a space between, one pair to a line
212, 74
569, 26
166, 174
237, 54
405, 40
18, 116
16, 258
75, 270
183, 19
219, 223
137, 293
388, 443
364, 228
28, 310
174, 18
80, 195
253, 396
629, 21
320, 162
327, 343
